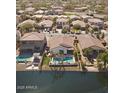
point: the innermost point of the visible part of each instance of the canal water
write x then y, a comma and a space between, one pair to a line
61, 82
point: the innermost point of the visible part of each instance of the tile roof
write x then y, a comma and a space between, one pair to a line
29, 9
95, 20
33, 36
56, 41
62, 20
81, 23
29, 21
87, 41
99, 16
46, 23
74, 17
37, 16
85, 16
39, 12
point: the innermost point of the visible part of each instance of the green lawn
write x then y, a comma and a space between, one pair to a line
46, 60
75, 31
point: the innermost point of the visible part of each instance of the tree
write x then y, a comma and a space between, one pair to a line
88, 53
26, 27
69, 21
23, 6
69, 7
75, 55
103, 57
23, 17
97, 35
87, 28
64, 30
77, 27
75, 41
103, 35
54, 21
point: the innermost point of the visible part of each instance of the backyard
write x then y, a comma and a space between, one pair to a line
46, 60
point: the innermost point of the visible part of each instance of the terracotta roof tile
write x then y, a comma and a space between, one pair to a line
56, 41
33, 36
87, 41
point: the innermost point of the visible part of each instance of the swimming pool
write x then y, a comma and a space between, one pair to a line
63, 59
23, 58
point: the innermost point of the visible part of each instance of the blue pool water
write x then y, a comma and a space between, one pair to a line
23, 58
65, 59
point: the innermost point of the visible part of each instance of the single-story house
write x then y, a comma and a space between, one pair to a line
46, 24
48, 17
74, 17
62, 16
50, 12
58, 11
56, 7
37, 16
80, 9
90, 13
20, 12
39, 12
86, 17
61, 44
99, 16
88, 41
29, 5
29, 10
43, 8
33, 41
96, 22
81, 23
60, 22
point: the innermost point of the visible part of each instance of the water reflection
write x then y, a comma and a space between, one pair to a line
59, 81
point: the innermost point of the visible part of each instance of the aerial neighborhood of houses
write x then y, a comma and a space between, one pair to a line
68, 35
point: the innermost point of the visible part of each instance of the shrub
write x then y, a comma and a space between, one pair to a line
77, 27
64, 30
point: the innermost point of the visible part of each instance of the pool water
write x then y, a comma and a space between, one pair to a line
65, 59
23, 58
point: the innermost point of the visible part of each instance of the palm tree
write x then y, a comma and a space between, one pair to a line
75, 41
26, 27
54, 21
102, 36
87, 28
88, 53
64, 30
103, 57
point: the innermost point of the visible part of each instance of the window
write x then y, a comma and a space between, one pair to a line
61, 51
69, 51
